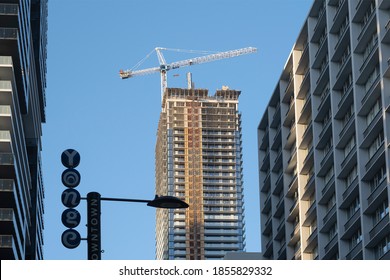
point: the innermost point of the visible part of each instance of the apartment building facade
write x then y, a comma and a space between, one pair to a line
199, 159
324, 157
23, 26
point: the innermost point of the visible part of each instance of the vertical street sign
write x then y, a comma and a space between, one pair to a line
70, 198
93, 225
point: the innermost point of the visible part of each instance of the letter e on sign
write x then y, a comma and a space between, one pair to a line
70, 238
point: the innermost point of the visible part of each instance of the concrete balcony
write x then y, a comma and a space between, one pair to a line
356, 253
280, 231
339, 17
327, 191
282, 252
329, 219
352, 225
292, 187
267, 205
294, 236
378, 194
326, 162
311, 241
373, 128
8, 248
331, 248
305, 85
380, 153
386, 36
345, 102
277, 162
350, 193
308, 162
368, 27
309, 187
279, 208
303, 61
306, 111
370, 97
368, 66
292, 161
346, 132
325, 134
384, 5
379, 231
348, 163
310, 214
268, 249
268, 227
294, 211
7, 168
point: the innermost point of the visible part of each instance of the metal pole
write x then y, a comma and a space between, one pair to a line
94, 226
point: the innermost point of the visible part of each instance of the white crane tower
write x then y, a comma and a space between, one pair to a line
164, 66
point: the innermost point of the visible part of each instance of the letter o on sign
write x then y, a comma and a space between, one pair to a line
70, 238
71, 178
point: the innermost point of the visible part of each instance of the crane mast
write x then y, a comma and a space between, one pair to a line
164, 66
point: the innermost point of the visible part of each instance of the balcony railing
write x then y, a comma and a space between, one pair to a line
372, 123
350, 188
354, 251
331, 243
329, 214
366, 23
6, 185
379, 226
352, 219
6, 159
328, 184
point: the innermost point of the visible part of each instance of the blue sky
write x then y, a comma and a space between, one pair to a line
113, 122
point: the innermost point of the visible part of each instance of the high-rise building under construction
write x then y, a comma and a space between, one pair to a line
199, 159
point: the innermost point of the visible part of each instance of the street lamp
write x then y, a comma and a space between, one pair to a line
93, 212
169, 202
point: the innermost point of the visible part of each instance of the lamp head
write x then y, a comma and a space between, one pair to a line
169, 202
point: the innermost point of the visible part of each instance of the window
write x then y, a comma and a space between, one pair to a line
343, 26
347, 115
350, 145
370, 46
345, 55
372, 78
378, 178
381, 211
375, 145
331, 202
329, 175
351, 176
383, 247
314, 254
312, 227
348, 83
355, 239
326, 119
332, 232
328, 146
373, 111
353, 208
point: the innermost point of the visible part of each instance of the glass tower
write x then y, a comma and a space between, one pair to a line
23, 26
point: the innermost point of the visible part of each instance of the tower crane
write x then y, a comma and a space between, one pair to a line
164, 66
